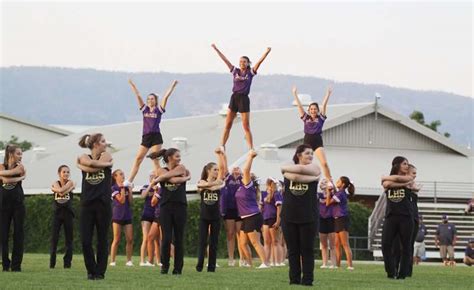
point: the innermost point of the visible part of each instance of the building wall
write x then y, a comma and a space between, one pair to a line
36, 135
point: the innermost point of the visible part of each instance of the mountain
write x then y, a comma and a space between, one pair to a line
93, 97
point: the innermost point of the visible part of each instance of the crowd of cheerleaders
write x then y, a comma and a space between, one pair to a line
290, 212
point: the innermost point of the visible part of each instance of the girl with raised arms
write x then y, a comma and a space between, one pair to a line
151, 137
299, 214
96, 210
12, 206
240, 101
313, 128
63, 215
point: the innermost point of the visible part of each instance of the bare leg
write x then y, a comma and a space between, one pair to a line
129, 239
113, 249
248, 133
338, 250
267, 239
152, 236
323, 161
142, 150
238, 226
230, 233
254, 238
324, 248
143, 249
344, 236
275, 246
332, 253
228, 125
243, 243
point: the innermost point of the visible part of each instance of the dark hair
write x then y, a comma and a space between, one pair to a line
347, 184
114, 181
9, 150
313, 104
396, 163
300, 149
88, 140
156, 97
248, 60
205, 169
61, 167
254, 179
166, 153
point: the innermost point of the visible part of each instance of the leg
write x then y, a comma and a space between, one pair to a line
87, 223
117, 229
54, 240
18, 237
323, 161
203, 235
337, 244
179, 225
104, 217
324, 247
7, 216
158, 245
275, 245
167, 230
307, 233
267, 240
129, 239
389, 231
412, 249
254, 238
332, 252
228, 125
248, 133
292, 238
347, 247
451, 253
143, 248
243, 240
69, 239
230, 234
406, 229
151, 237
238, 227
213, 241
142, 150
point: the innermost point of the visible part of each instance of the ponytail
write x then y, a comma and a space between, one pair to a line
348, 185
9, 151
205, 170
166, 154
88, 140
300, 149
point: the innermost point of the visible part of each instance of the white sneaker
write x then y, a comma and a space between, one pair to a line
231, 263
142, 264
350, 268
281, 265
332, 267
263, 266
159, 265
112, 264
243, 264
129, 264
323, 267
148, 264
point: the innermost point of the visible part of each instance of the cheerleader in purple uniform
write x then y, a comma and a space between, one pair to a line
271, 206
313, 128
121, 216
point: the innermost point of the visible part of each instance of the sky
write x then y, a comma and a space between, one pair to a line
422, 45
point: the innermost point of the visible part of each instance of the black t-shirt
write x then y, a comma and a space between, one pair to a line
97, 186
300, 203
210, 204
11, 193
171, 192
398, 202
63, 202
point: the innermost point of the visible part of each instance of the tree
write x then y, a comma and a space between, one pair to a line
24, 145
418, 117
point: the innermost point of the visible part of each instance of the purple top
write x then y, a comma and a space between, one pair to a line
148, 210
243, 82
340, 208
228, 196
151, 119
269, 210
121, 212
246, 198
324, 211
313, 126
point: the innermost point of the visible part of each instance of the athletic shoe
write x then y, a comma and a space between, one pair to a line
99, 277
152, 155
159, 265
231, 263
350, 268
332, 267
244, 264
217, 265
324, 267
148, 264
112, 264
272, 264
263, 266
280, 264
142, 264
129, 264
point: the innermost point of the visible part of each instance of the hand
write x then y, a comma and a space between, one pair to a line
175, 82
276, 225
295, 91
131, 82
269, 49
253, 153
219, 150
329, 90
214, 46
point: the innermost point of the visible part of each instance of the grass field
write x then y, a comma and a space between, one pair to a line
37, 275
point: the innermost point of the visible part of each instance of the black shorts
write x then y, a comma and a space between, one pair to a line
326, 225
239, 103
152, 139
269, 222
252, 223
123, 223
232, 214
156, 220
147, 219
342, 224
313, 140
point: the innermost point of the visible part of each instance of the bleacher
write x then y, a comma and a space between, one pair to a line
432, 212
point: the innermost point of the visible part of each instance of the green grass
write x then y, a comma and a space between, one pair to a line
37, 275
